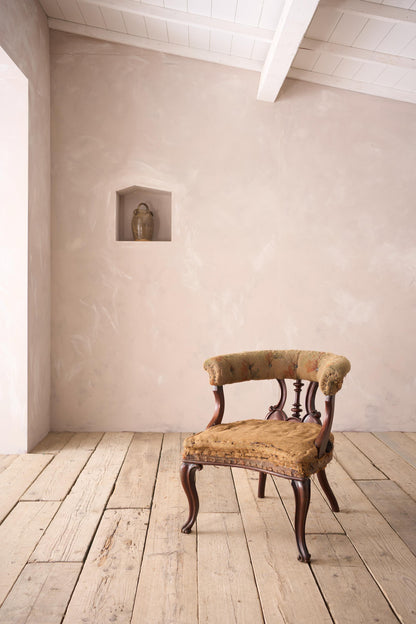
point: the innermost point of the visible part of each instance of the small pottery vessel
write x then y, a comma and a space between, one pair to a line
142, 223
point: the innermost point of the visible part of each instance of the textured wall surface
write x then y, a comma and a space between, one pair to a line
293, 226
24, 35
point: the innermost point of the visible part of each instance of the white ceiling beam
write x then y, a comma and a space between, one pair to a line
358, 54
372, 10
182, 17
353, 85
152, 44
294, 21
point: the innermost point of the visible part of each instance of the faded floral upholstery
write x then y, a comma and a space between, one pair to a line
326, 368
284, 447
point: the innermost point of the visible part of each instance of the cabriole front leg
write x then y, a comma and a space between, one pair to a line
302, 490
188, 484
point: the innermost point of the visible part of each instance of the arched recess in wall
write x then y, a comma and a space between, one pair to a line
14, 149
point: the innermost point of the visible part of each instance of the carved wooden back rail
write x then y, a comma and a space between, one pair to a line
276, 412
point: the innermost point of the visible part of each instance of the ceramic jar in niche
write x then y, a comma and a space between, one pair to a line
142, 223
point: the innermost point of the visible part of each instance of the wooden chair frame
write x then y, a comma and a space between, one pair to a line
301, 486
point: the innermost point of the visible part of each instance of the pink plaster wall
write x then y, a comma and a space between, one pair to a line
24, 35
293, 226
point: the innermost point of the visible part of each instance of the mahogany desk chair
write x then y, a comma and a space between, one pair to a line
293, 447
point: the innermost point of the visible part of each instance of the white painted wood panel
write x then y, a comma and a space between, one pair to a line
153, 2
271, 12
390, 76
403, 4
369, 72
372, 34
220, 42
242, 46
323, 23
135, 24
260, 50
71, 12
305, 59
397, 39
326, 64
347, 68
408, 82
178, 33
91, 14
249, 12
353, 85
178, 5
200, 7
347, 29
224, 9
199, 38
156, 29
410, 49
113, 19
52, 9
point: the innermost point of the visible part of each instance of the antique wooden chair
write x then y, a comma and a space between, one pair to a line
293, 447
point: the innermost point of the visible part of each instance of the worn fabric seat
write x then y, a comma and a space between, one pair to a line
283, 447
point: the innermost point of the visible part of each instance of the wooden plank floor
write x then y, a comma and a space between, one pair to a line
90, 533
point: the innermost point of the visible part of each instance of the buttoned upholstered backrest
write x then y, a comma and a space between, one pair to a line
327, 369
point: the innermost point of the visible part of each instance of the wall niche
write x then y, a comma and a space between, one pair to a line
159, 202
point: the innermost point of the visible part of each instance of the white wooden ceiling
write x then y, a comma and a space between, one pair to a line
360, 45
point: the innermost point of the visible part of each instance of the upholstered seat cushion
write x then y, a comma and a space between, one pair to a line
284, 447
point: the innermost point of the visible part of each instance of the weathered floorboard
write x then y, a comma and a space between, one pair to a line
58, 477
402, 444
357, 465
17, 477
53, 442
396, 468
216, 490
287, 589
396, 507
225, 594
19, 534
73, 527
105, 559
40, 594
389, 560
136, 481
349, 589
107, 586
167, 590
6, 460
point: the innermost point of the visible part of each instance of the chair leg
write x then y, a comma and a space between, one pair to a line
262, 484
327, 490
302, 490
188, 484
